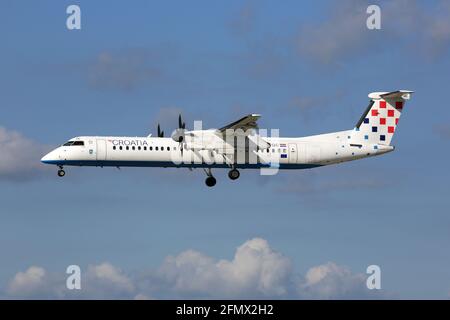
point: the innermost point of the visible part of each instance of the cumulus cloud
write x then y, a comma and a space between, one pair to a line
20, 156
329, 280
103, 281
105, 277
36, 283
255, 271
27, 282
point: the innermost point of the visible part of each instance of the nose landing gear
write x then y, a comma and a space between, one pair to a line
61, 172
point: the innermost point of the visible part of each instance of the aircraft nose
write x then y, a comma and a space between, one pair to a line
45, 158
49, 157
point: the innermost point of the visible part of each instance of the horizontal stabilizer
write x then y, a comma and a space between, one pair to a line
399, 94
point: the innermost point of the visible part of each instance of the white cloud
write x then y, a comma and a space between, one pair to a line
256, 271
328, 281
20, 156
36, 283
26, 282
106, 278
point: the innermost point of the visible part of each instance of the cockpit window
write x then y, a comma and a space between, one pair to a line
73, 143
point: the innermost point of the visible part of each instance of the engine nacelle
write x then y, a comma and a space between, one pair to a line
178, 135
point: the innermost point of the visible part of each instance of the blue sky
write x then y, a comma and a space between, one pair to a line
306, 67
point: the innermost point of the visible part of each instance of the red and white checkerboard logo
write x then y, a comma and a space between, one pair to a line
379, 123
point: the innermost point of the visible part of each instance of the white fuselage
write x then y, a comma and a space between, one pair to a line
288, 153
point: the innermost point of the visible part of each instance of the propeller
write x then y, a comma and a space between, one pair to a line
160, 133
179, 135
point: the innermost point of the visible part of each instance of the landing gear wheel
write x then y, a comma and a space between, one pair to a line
61, 173
210, 181
233, 174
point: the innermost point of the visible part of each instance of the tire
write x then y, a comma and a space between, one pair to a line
233, 174
210, 181
61, 173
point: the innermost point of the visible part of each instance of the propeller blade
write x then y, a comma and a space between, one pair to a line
160, 133
180, 122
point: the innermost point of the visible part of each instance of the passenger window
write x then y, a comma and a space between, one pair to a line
114, 147
120, 148
139, 148
162, 148
128, 148
145, 148
150, 148
168, 148
156, 148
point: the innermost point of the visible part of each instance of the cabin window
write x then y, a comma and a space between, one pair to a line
120, 148
156, 148
139, 148
168, 148
150, 148
133, 147
162, 148
128, 148
145, 148
114, 147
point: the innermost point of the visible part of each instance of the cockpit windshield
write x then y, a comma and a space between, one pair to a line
73, 143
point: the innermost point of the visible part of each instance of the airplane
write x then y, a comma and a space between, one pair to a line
240, 145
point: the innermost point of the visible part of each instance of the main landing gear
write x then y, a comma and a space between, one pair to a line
233, 174
210, 180
61, 172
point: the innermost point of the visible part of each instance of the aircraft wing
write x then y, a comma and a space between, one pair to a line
245, 123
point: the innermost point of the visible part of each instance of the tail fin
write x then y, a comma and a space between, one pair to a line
380, 120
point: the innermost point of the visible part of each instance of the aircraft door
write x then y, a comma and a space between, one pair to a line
292, 153
101, 150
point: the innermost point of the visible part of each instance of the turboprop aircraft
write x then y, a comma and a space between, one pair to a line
240, 145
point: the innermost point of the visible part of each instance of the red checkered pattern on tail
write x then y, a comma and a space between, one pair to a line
380, 122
